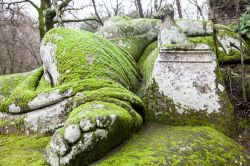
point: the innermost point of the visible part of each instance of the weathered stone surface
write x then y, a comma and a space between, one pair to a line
48, 56
72, 133
42, 120
169, 32
188, 78
87, 125
186, 88
195, 27
58, 144
133, 35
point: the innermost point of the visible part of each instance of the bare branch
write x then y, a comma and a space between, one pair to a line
78, 20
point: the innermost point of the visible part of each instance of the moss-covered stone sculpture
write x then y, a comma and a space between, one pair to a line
88, 79
133, 35
86, 95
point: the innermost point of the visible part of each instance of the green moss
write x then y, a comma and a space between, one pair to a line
151, 47
24, 92
11, 126
134, 45
122, 127
96, 109
165, 145
9, 82
83, 55
203, 40
146, 65
19, 150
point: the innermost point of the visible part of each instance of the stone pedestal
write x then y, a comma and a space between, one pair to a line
188, 89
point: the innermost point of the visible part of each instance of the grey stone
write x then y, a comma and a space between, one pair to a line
87, 125
72, 133
58, 144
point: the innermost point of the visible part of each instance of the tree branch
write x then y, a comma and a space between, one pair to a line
79, 20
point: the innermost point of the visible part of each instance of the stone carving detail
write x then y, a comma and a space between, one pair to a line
169, 33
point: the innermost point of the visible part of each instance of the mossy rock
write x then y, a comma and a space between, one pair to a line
167, 145
133, 35
22, 150
227, 45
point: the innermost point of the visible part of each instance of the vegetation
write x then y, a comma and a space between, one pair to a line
19, 150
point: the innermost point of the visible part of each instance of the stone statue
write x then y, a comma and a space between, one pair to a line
169, 33
86, 94
86, 80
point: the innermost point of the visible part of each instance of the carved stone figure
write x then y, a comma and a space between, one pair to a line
169, 33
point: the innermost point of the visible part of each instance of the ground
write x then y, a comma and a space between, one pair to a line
155, 144
18, 150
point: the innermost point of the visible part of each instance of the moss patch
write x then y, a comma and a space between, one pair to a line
84, 55
20, 150
234, 54
9, 82
165, 145
146, 64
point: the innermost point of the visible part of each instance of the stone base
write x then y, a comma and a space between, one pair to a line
188, 89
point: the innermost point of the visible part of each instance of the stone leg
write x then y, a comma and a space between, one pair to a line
91, 130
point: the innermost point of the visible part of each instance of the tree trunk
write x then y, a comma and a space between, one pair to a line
41, 24
139, 6
243, 75
178, 4
58, 13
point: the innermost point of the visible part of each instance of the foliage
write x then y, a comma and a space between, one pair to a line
245, 24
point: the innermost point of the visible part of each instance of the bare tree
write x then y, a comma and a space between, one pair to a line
243, 75
47, 13
96, 12
139, 8
178, 5
224, 11
157, 5
199, 8
19, 50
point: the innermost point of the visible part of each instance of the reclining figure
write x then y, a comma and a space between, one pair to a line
93, 80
